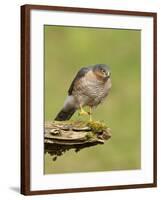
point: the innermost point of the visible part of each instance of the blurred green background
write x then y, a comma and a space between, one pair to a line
67, 49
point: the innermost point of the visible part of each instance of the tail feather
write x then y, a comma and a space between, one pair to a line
64, 115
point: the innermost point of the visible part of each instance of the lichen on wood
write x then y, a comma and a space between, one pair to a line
61, 136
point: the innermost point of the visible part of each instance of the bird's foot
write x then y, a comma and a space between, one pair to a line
90, 118
83, 112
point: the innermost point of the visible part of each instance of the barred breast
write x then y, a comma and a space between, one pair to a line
91, 91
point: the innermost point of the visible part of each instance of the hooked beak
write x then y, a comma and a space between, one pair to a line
108, 74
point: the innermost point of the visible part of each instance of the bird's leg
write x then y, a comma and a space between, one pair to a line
82, 111
90, 113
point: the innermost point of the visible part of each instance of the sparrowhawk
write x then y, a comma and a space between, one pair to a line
89, 88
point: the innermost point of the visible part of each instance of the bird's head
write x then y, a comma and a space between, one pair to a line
102, 71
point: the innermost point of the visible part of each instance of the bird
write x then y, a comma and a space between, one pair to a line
90, 87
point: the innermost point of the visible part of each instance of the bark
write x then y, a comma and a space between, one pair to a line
61, 136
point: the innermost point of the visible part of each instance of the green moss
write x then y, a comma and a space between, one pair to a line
89, 136
97, 126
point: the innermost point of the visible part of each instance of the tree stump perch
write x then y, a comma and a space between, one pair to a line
61, 136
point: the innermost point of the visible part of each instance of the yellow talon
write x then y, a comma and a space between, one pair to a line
90, 114
82, 111
90, 118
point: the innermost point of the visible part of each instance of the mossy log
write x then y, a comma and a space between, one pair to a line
61, 136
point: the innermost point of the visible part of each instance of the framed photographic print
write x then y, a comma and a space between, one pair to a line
88, 99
